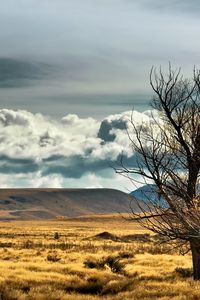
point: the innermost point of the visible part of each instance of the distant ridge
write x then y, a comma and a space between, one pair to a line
149, 193
28, 204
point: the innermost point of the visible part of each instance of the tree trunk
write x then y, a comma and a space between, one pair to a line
195, 248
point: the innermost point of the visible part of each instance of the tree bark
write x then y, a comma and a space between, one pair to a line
195, 248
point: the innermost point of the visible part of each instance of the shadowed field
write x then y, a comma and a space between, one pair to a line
102, 257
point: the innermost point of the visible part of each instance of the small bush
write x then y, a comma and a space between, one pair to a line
126, 255
28, 244
94, 264
91, 287
25, 289
56, 236
114, 264
53, 258
6, 244
184, 272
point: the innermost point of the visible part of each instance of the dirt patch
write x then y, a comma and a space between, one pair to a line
105, 235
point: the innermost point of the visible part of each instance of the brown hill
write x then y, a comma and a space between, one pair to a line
52, 203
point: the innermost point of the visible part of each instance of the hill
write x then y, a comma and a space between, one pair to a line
148, 193
27, 204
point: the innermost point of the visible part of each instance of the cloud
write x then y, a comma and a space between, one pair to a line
91, 57
18, 73
39, 181
90, 180
106, 129
49, 152
37, 137
31, 180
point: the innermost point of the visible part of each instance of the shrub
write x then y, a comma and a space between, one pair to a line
94, 264
114, 264
56, 236
90, 287
184, 272
126, 255
53, 258
28, 244
6, 244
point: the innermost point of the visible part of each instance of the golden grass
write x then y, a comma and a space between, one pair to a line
67, 259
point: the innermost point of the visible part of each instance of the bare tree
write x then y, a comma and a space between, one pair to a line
168, 154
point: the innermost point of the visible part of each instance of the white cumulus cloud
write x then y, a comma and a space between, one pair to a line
39, 151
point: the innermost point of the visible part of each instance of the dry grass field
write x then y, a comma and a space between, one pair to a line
90, 258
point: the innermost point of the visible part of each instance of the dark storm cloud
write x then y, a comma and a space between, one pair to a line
94, 48
78, 166
106, 127
24, 73
18, 73
15, 166
73, 167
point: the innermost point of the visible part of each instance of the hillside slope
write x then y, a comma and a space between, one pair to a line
149, 194
52, 203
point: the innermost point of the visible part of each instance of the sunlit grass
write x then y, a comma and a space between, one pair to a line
79, 264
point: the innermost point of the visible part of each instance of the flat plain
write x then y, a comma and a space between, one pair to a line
90, 258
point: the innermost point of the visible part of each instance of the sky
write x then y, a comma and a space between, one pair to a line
70, 73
